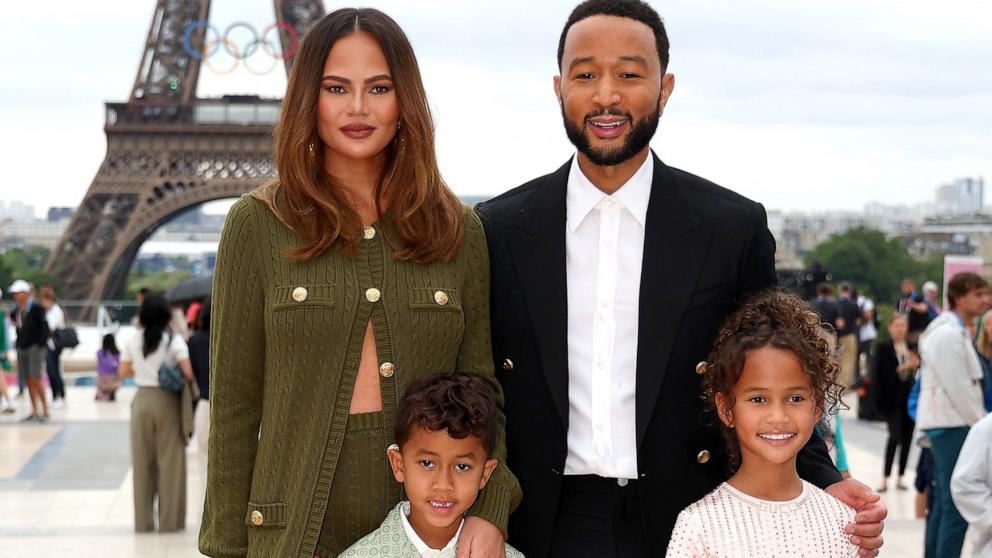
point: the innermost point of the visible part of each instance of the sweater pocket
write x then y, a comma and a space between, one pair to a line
266, 516
435, 300
303, 296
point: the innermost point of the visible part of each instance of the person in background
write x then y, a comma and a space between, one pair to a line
55, 317
191, 312
158, 446
849, 325
983, 344
7, 405
930, 297
107, 367
199, 356
868, 331
32, 333
951, 400
915, 307
893, 372
971, 486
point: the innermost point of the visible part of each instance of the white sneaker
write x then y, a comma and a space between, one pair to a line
58, 404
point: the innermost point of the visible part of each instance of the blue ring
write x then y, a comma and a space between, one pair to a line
188, 47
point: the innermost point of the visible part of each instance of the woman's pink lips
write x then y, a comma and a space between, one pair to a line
357, 131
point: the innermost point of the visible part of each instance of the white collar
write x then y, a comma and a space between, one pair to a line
582, 195
418, 543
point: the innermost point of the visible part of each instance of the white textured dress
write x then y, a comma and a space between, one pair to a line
727, 523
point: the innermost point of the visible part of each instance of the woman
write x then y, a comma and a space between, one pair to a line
983, 343
158, 446
55, 317
335, 287
894, 371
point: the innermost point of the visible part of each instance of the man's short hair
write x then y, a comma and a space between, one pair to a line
459, 403
631, 9
845, 287
824, 289
962, 284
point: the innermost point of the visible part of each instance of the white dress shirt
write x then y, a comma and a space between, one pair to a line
425, 551
604, 246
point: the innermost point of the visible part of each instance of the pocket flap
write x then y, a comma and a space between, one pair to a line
265, 516
303, 296
432, 298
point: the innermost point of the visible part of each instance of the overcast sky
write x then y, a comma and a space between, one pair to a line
799, 105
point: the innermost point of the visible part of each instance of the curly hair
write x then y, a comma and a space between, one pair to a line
462, 404
782, 320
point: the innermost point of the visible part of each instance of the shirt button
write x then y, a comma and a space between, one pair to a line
373, 295
387, 369
368, 233
299, 294
701, 368
257, 518
703, 457
507, 365
622, 482
441, 297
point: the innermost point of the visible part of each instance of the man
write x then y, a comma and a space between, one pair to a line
847, 335
825, 305
610, 278
930, 297
915, 307
32, 334
951, 401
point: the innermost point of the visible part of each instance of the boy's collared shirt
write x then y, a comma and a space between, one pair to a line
425, 551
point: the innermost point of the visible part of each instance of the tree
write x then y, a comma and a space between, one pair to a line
28, 264
873, 264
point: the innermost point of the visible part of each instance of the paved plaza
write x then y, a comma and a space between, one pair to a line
65, 486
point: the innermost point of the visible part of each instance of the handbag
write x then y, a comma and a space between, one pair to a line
65, 338
170, 377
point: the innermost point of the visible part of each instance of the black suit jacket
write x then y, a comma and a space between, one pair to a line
705, 249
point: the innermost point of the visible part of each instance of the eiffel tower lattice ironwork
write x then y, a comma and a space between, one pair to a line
168, 151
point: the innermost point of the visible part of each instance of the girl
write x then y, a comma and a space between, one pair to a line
107, 362
337, 286
769, 378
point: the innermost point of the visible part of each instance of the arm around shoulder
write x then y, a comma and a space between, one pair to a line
237, 356
502, 494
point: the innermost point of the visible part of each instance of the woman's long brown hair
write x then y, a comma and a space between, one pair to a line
411, 194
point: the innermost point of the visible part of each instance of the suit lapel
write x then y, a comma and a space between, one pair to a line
537, 245
675, 245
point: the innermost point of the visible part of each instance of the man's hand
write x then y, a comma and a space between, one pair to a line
480, 539
866, 531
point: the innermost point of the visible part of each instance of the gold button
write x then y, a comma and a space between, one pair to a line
507, 364
299, 294
701, 368
703, 456
368, 233
387, 369
257, 519
441, 297
373, 295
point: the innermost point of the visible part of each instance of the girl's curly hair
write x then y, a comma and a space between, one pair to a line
779, 319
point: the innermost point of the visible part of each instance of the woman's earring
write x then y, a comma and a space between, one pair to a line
311, 148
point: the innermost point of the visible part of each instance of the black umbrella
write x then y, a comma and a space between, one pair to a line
191, 289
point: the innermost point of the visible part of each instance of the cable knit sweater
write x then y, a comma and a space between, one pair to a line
286, 340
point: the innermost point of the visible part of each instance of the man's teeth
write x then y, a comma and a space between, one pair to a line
776, 436
439, 504
608, 124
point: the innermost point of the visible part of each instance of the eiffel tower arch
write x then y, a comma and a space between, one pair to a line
168, 150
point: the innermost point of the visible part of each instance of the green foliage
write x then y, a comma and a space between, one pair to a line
28, 264
873, 264
158, 281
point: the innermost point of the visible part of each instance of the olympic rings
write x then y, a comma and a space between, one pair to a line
235, 51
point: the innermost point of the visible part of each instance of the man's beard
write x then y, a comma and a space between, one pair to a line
641, 132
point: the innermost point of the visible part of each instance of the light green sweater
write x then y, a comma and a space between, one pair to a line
390, 540
286, 341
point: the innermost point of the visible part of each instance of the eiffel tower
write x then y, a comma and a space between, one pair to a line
167, 150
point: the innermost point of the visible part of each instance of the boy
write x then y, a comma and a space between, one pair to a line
445, 435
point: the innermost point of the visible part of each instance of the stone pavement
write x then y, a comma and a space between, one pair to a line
65, 486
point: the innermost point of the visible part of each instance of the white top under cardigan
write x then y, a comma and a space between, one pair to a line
971, 486
604, 247
146, 368
727, 523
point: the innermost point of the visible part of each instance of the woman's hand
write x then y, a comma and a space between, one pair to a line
480, 539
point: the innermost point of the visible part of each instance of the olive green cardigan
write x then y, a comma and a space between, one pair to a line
286, 340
